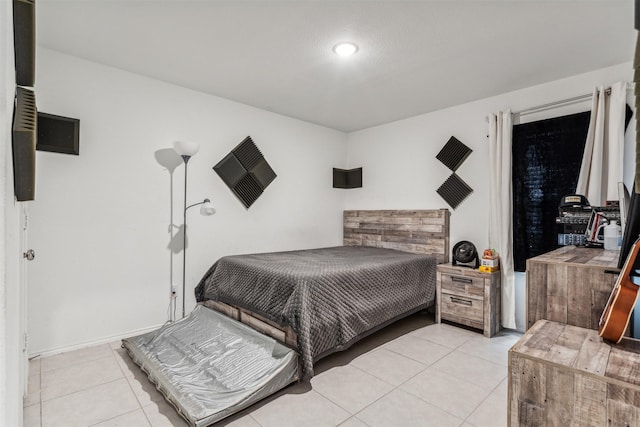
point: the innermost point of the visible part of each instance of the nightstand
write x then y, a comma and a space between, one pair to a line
468, 297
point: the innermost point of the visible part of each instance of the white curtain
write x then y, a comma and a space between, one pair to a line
500, 209
601, 168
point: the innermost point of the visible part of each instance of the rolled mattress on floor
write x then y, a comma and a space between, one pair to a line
210, 366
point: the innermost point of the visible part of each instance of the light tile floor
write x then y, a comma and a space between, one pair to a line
412, 373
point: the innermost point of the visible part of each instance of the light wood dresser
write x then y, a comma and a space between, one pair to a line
563, 375
570, 285
469, 297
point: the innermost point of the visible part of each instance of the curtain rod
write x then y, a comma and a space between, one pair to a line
562, 102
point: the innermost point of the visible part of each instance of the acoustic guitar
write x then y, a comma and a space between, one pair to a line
617, 312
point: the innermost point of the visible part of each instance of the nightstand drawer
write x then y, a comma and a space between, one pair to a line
463, 309
463, 285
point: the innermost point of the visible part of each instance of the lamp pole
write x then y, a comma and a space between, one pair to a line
184, 236
186, 150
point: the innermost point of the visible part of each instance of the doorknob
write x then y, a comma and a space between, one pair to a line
29, 255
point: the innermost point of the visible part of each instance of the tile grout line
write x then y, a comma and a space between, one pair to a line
353, 416
87, 388
429, 403
76, 391
454, 415
256, 421
82, 390
484, 400
451, 350
113, 354
403, 382
408, 379
42, 401
337, 404
113, 418
368, 373
84, 361
398, 387
480, 385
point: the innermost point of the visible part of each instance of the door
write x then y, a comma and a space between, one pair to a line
27, 256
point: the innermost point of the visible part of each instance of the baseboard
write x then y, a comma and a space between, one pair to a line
99, 341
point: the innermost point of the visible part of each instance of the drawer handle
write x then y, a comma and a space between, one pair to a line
461, 279
462, 301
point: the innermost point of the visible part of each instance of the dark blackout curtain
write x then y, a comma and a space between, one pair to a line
547, 155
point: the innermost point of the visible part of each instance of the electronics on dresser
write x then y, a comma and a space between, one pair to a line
582, 224
600, 217
574, 212
465, 254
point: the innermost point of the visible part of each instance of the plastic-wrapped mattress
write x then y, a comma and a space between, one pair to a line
210, 366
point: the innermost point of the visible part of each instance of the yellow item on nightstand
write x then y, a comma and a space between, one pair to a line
490, 261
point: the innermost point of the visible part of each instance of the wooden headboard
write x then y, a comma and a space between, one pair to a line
416, 231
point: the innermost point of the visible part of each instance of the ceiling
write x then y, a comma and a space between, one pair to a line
414, 58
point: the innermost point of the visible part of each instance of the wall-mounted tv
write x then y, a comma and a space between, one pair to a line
24, 134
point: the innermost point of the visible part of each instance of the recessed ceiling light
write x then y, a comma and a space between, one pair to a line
345, 48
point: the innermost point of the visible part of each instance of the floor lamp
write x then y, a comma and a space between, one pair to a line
186, 150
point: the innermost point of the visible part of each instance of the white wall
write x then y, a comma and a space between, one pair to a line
11, 360
99, 224
401, 171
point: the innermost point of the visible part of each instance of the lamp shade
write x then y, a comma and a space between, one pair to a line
207, 208
186, 148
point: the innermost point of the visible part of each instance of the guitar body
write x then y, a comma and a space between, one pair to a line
617, 313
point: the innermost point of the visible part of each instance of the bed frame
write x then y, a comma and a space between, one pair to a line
424, 232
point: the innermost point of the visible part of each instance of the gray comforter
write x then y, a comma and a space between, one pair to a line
331, 297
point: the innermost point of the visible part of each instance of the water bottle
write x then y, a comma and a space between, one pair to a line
611, 235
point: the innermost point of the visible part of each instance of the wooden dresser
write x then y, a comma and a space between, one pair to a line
469, 297
570, 285
563, 375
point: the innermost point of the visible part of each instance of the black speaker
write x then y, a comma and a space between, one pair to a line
24, 41
637, 15
58, 134
347, 178
24, 134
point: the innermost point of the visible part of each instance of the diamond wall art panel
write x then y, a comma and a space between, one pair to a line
246, 172
454, 190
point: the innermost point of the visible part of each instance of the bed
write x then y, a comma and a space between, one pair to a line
320, 301
263, 320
